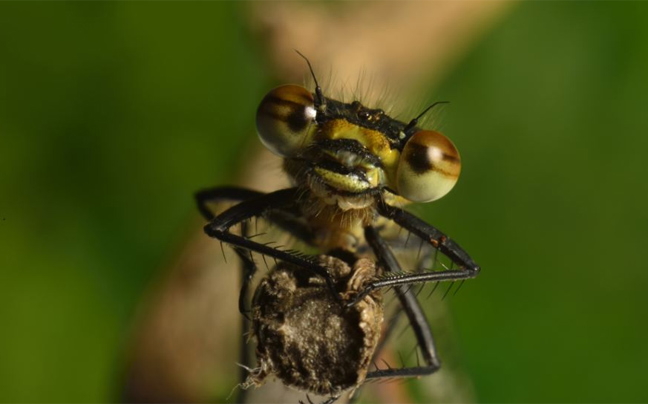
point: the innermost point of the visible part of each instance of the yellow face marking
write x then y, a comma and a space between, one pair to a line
342, 182
373, 140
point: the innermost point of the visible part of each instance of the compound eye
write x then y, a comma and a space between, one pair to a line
284, 119
428, 168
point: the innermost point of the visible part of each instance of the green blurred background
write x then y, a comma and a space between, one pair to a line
113, 114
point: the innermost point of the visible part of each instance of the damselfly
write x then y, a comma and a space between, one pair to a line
317, 318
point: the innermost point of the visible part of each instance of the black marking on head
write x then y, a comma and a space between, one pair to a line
341, 169
350, 145
374, 119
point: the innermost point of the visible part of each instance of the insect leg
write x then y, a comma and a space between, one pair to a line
283, 218
412, 309
467, 267
218, 194
219, 228
432, 236
247, 271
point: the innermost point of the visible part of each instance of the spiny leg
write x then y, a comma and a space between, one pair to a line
220, 194
247, 271
423, 261
276, 208
286, 219
431, 235
412, 309
391, 324
467, 267
283, 200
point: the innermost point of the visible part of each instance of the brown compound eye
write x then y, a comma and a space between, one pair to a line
285, 118
428, 168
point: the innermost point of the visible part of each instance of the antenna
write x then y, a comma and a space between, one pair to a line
414, 121
318, 89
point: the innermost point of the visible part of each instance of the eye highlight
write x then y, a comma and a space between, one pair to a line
284, 119
428, 168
